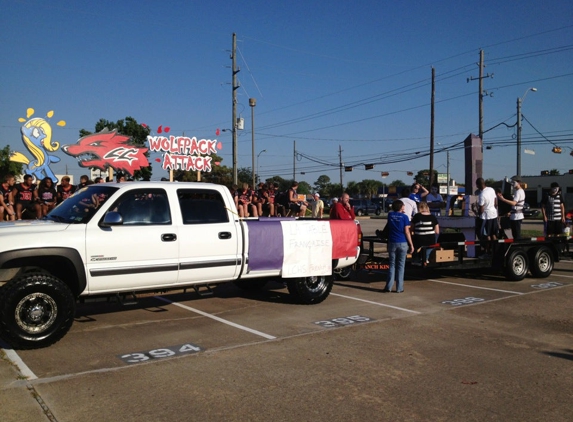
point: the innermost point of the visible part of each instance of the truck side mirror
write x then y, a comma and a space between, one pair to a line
112, 218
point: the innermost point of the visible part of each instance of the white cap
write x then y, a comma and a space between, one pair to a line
334, 199
317, 195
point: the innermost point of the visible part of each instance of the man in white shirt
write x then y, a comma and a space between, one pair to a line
410, 206
516, 216
487, 203
317, 206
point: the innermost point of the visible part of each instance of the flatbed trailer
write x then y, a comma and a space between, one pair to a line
513, 258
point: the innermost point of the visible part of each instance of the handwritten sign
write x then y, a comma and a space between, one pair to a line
184, 153
307, 248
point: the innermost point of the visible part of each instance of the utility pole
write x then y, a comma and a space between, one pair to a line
253, 103
341, 165
432, 127
234, 123
294, 161
480, 79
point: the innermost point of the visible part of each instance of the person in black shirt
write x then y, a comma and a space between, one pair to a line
553, 211
425, 231
25, 197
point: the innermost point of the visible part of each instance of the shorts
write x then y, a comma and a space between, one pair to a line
489, 227
554, 227
294, 207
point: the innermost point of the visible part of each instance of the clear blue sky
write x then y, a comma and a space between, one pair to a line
354, 74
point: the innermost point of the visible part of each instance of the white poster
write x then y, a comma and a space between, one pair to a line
307, 248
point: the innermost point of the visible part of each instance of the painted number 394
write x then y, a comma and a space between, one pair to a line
159, 353
337, 322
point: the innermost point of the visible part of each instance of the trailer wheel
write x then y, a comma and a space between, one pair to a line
542, 262
36, 310
516, 265
310, 290
343, 273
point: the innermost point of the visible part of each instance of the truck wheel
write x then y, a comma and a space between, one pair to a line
516, 265
310, 290
36, 310
254, 284
359, 213
541, 262
378, 211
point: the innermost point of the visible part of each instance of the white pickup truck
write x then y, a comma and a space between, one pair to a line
128, 238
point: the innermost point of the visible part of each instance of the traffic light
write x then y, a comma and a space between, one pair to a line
368, 166
410, 173
385, 174
556, 150
570, 171
348, 168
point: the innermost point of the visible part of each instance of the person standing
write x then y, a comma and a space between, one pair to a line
553, 211
317, 206
410, 206
342, 210
435, 201
399, 244
425, 230
516, 214
419, 192
487, 206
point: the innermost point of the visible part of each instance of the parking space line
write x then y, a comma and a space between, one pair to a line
561, 275
22, 367
375, 303
476, 287
224, 321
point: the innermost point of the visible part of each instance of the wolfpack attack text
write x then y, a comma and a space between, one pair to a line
184, 153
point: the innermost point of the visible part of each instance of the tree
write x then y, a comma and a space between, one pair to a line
423, 177
127, 127
7, 166
284, 184
304, 187
397, 183
352, 188
554, 172
369, 187
322, 185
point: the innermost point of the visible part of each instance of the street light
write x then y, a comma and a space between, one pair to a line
258, 155
253, 103
519, 101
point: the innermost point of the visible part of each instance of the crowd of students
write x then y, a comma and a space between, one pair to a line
29, 200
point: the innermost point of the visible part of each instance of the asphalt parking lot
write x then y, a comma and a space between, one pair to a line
452, 347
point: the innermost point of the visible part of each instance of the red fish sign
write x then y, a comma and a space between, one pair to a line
108, 149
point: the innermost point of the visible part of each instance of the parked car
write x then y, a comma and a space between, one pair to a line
529, 212
365, 207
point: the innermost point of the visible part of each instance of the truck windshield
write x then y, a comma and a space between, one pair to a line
82, 205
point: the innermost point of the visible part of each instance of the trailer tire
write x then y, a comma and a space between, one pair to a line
516, 265
36, 310
343, 273
310, 290
541, 262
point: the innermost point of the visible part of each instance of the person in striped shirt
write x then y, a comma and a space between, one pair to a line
553, 211
425, 230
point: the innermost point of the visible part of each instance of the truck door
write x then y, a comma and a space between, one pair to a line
141, 251
210, 238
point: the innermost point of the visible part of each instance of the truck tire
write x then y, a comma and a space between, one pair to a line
516, 265
250, 285
359, 213
541, 262
36, 310
310, 290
